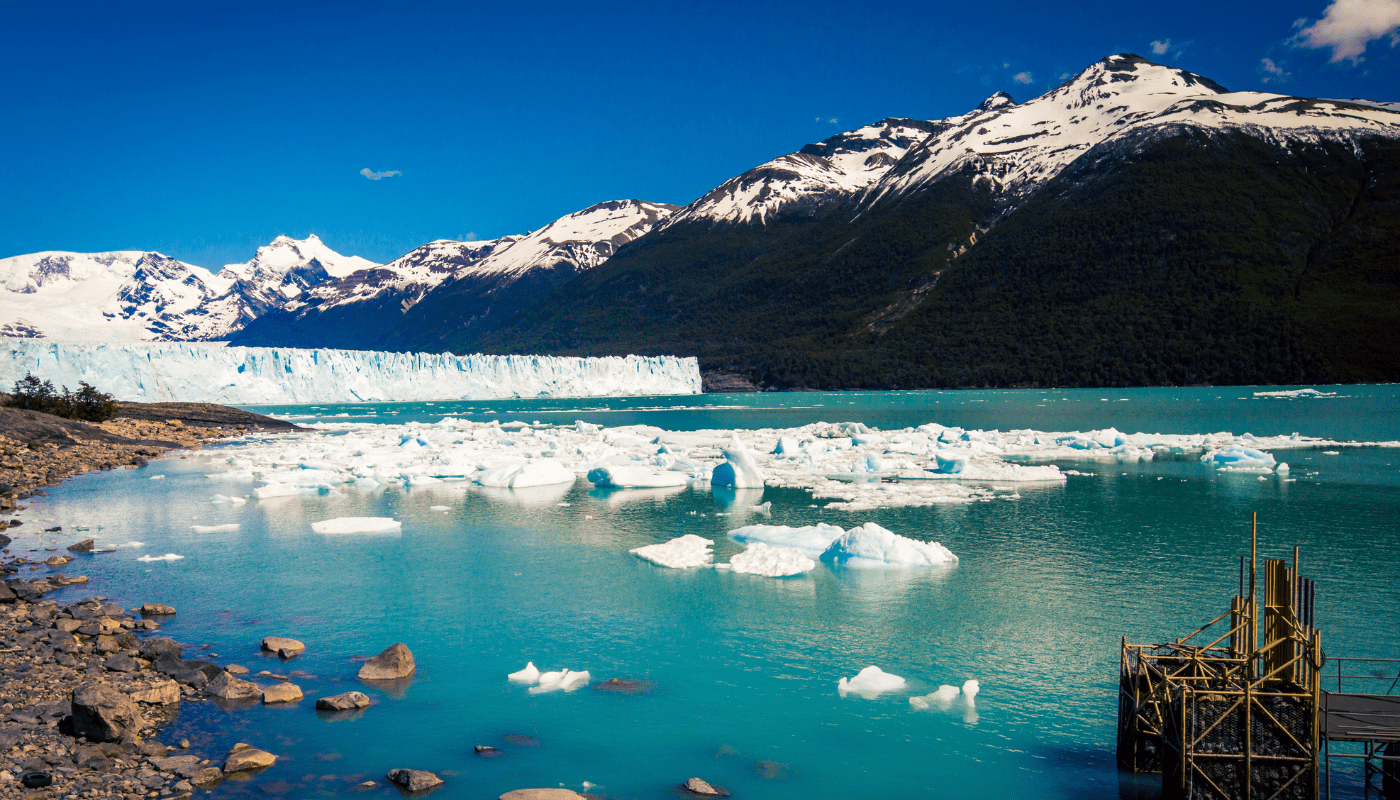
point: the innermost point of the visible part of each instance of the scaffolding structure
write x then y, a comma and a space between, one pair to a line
1232, 710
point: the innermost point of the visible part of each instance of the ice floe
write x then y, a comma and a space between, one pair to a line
358, 525
561, 681
626, 477
528, 675
1291, 393
1238, 457
232, 526
811, 540
224, 500
166, 557
869, 683
684, 552
870, 545
945, 695
772, 562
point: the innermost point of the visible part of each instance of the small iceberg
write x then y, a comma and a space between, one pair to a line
870, 683
1290, 393
227, 528
224, 500
358, 525
627, 477
946, 694
872, 546
739, 469
528, 675
685, 552
439, 508
166, 557
1239, 457
132, 544
564, 680
811, 539
540, 472
770, 562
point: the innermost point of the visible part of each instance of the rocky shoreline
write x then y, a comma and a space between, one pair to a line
38, 450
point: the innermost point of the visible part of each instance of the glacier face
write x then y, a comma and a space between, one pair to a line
205, 373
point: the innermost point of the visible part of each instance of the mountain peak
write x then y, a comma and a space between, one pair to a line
997, 100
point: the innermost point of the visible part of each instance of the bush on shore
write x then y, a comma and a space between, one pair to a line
33, 394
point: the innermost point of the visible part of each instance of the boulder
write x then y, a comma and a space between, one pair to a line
184, 766
101, 626
162, 693
208, 777
487, 751
103, 714
347, 701
282, 646
245, 758
121, 662
227, 687
151, 649
57, 561
542, 794
394, 663
414, 780
237, 669
699, 787
157, 610
281, 693
85, 546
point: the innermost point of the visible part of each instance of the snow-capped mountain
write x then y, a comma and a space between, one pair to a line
1019, 147
456, 283
122, 296
133, 296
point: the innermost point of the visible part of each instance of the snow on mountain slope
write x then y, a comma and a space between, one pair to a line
1019, 147
132, 296
837, 167
584, 239
121, 296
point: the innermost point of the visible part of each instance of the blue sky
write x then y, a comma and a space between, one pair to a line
204, 129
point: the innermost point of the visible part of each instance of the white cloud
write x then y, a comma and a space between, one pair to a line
1272, 72
833, 120
1023, 77
374, 176
1160, 48
1347, 26
1064, 76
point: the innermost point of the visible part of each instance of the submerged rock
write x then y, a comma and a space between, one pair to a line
394, 663
414, 780
624, 686
487, 751
542, 794
347, 701
699, 787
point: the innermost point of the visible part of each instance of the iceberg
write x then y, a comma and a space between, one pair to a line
232, 526
771, 562
739, 469
224, 500
869, 683
211, 373
561, 681
541, 472
627, 477
946, 694
1239, 457
528, 675
872, 546
684, 552
811, 540
358, 525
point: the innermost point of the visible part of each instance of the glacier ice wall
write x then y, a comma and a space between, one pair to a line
210, 373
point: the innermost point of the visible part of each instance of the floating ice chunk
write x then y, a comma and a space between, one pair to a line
561, 681
682, 553
739, 469
439, 508
157, 477
771, 562
625, 477
232, 526
868, 463
872, 546
811, 540
1239, 457
358, 525
498, 477
367, 483
870, 682
542, 472
166, 557
942, 698
950, 464
528, 675
1296, 393
765, 508
277, 490
787, 446
419, 479
970, 688
1282, 468
224, 500
132, 544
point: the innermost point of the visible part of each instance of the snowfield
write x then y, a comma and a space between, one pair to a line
204, 373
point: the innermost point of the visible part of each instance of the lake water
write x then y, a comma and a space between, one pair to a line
745, 668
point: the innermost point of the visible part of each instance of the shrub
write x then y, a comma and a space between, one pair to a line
33, 394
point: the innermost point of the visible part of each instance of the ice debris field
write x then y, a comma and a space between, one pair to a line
853, 466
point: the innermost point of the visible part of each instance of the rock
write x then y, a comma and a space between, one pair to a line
542, 794
121, 662
57, 561
103, 714
770, 770
184, 766
281, 693
487, 751
67, 625
7, 595
157, 610
208, 777
85, 546
243, 758
624, 686
414, 780
343, 702
228, 687
102, 626
91, 758
154, 648
697, 786
521, 740
281, 645
394, 663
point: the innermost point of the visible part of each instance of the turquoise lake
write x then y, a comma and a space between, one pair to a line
744, 669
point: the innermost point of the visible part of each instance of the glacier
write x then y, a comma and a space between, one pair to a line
209, 373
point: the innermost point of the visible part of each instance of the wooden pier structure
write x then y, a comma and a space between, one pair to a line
1238, 709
